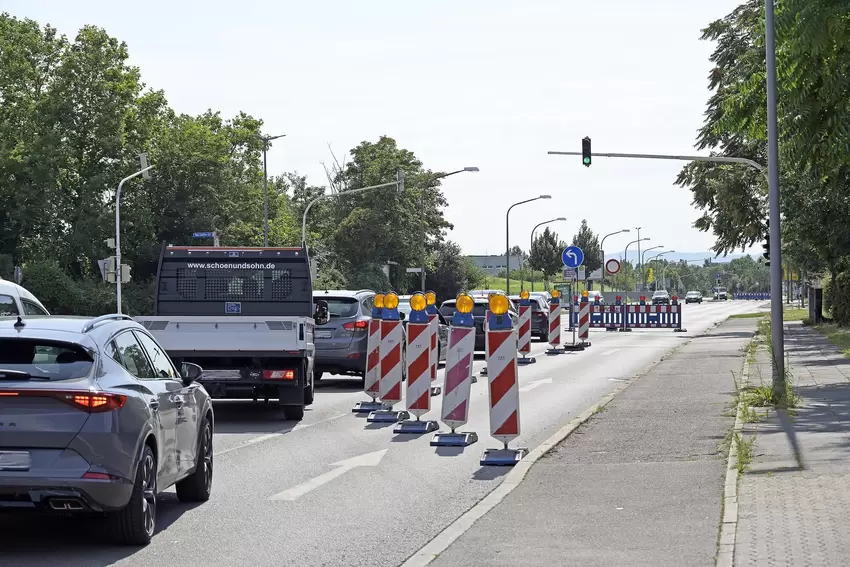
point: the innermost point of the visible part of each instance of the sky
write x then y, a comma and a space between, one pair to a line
494, 84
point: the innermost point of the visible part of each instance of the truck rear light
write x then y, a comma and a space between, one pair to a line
278, 374
361, 325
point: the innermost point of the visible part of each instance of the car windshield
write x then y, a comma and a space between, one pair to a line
8, 306
43, 359
340, 306
693, 293
659, 293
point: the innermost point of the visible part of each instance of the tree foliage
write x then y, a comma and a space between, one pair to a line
546, 253
588, 241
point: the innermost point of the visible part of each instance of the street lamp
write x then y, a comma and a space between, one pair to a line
602, 250
266, 140
643, 263
422, 214
118, 271
508, 240
638, 241
664, 269
533, 230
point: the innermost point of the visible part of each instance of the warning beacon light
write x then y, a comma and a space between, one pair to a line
378, 301
390, 301
523, 294
418, 302
584, 293
556, 294
430, 298
464, 303
499, 304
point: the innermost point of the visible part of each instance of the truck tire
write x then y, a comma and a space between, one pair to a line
293, 413
309, 391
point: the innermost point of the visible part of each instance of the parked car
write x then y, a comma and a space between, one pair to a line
693, 297
720, 293
96, 418
16, 300
593, 295
341, 342
539, 316
661, 297
479, 311
443, 342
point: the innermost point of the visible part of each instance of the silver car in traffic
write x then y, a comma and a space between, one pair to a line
94, 418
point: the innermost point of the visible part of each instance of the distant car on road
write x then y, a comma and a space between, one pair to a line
478, 313
16, 300
593, 295
96, 418
661, 297
693, 297
341, 342
720, 293
539, 315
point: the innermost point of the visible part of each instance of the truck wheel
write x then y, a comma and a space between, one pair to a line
293, 413
309, 391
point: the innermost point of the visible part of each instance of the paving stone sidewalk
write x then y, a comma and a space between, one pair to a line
640, 484
794, 501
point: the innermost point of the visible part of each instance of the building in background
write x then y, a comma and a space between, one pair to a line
494, 265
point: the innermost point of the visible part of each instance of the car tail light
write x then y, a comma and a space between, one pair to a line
91, 402
361, 325
99, 476
278, 374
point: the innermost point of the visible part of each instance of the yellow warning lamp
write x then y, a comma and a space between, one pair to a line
430, 298
390, 301
417, 302
584, 293
523, 294
499, 304
556, 293
464, 303
379, 300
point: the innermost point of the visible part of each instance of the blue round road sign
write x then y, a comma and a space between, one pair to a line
572, 256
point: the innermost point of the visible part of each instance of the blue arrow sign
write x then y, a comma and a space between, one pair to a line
202, 235
572, 256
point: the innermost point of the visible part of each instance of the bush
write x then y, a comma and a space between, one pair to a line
840, 299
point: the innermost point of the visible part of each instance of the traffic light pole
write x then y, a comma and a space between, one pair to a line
772, 174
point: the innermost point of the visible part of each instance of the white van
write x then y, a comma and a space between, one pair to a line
720, 293
16, 300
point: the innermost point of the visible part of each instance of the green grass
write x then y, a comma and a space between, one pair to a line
795, 314
748, 315
517, 285
745, 451
837, 336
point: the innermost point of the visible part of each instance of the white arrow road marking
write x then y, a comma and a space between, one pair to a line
612, 351
531, 385
342, 467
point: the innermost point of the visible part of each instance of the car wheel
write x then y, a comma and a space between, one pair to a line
197, 487
309, 391
136, 522
293, 413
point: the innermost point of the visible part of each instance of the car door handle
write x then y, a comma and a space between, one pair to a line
154, 405
179, 402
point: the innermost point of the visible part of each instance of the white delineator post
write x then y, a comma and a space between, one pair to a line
391, 371
457, 384
372, 375
417, 392
503, 385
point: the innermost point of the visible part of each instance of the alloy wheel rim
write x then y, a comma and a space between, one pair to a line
149, 494
208, 457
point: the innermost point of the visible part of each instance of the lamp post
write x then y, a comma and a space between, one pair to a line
508, 240
422, 216
118, 272
533, 230
664, 269
602, 250
626, 252
638, 258
266, 140
643, 263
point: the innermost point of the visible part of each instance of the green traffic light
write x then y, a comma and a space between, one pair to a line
586, 160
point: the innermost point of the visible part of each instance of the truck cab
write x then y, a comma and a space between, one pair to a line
720, 293
245, 315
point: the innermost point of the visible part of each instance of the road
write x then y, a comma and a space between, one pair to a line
334, 490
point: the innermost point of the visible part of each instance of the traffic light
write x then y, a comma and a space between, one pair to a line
766, 254
585, 151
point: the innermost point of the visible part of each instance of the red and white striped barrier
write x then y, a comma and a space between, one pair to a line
372, 374
554, 324
524, 345
434, 326
503, 384
584, 321
458, 380
417, 392
391, 372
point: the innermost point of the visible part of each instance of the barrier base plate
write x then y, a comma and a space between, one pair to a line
367, 407
585, 344
526, 360
436, 391
503, 457
626, 330
555, 350
456, 439
680, 330
387, 416
416, 427
614, 329
573, 348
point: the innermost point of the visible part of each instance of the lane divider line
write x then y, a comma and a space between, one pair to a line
276, 434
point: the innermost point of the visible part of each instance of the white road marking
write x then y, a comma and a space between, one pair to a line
276, 434
612, 351
532, 385
342, 467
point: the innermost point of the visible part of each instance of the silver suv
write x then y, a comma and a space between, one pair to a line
94, 417
341, 342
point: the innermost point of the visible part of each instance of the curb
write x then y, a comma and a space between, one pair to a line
729, 523
443, 540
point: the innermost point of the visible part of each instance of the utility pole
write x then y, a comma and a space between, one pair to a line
642, 280
266, 140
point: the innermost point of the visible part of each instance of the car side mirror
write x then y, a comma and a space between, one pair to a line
190, 372
322, 314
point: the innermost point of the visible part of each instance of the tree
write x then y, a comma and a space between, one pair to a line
589, 244
452, 272
546, 253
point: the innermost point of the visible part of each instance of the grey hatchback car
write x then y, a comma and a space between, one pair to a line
341, 342
94, 418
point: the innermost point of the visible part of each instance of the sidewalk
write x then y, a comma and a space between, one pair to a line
639, 484
794, 501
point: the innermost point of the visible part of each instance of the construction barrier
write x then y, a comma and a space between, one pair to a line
584, 320
417, 391
372, 376
391, 371
628, 317
524, 344
555, 323
457, 383
434, 326
752, 296
502, 384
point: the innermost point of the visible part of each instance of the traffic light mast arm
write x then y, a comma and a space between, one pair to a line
714, 159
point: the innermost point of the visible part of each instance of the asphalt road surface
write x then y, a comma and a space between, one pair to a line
334, 490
